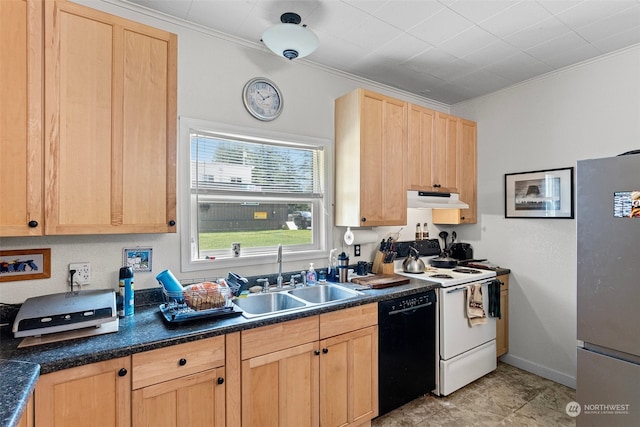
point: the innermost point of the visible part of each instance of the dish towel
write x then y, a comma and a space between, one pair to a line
473, 304
494, 299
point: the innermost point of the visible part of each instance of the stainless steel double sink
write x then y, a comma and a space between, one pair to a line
265, 304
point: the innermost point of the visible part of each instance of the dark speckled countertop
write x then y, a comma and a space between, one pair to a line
143, 331
22, 376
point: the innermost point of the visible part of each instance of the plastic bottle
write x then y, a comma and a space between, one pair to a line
311, 275
126, 290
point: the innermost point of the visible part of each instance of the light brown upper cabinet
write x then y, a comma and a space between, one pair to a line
370, 160
467, 171
110, 124
21, 118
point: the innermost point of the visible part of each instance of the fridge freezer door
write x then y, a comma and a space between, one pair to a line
608, 270
608, 391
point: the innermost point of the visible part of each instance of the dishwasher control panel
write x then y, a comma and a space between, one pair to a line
412, 301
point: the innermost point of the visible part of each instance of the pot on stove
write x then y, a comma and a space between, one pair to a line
461, 251
444, 261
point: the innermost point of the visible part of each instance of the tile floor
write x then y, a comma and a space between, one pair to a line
506, 397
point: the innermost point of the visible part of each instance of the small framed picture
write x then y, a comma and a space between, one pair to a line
25, 264
539, 194
140, 259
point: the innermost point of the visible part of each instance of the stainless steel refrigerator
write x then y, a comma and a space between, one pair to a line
608, 273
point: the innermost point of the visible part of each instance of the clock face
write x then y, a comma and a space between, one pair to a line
262, 99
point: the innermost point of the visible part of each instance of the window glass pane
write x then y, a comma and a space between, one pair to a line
256, 192
228, 165
253, 225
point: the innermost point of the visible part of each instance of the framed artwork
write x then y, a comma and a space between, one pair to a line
140, 259
539, 194
25, 264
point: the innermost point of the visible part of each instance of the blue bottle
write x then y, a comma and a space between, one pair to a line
126, 290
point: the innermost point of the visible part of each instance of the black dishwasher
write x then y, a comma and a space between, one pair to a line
406, 349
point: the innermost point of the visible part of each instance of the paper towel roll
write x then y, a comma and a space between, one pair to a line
361, 237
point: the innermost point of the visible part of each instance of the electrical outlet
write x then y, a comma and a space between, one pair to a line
82, 276
356, 250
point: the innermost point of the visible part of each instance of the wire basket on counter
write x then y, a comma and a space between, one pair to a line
198, 300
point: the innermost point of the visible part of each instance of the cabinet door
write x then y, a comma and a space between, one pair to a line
468, 170
444, 157
281, 388
110, 123
421, 143
194, 400
502, 324
98, 394
21, 118
383, 195
349, 378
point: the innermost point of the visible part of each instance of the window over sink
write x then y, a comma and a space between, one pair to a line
252, 187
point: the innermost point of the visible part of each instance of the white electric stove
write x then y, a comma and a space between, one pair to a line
466, 352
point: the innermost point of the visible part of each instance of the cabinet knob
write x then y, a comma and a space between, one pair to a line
33, 224
316, 352
462, 217
182, 362
363, 219
122, 372
172, 223
220, 380
325, 350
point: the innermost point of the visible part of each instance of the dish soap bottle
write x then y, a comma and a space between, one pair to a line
311, 275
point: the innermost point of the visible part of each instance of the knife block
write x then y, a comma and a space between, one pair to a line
379, 267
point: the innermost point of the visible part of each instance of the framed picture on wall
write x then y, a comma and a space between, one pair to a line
25, 264
539, 194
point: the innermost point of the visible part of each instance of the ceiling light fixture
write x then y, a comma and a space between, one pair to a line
290, 39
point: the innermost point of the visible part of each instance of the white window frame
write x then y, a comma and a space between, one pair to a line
322, 232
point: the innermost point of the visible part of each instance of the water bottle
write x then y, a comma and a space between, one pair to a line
343, 267
125, 287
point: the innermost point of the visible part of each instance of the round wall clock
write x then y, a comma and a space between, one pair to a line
262, 99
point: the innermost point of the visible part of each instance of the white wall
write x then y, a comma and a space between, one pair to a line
586, 111
212, 70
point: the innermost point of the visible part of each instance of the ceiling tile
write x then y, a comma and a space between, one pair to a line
407, 14
542, 31
372, 33
572, 56
605, 27
479, 10
402, 48
519, 67
491, 53
618, 40
521, 15
468, 41
564, 43
442, 26
587, 12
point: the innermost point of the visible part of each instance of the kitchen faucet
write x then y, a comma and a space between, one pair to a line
279, 261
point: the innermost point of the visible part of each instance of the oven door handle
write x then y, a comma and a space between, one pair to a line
464, 287
404, 310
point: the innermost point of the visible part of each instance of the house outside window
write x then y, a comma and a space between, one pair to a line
256, 188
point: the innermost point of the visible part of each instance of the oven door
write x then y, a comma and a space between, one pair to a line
456, 335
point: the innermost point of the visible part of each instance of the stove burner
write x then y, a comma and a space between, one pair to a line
441, 276
466, 270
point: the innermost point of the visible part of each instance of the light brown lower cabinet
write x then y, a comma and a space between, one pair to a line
97, 394
27, 417
194, 400
316, 371
180, 386
502, 324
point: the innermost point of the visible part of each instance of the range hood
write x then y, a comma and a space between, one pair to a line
432, 200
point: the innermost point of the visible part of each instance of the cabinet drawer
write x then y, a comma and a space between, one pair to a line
350, 319
267, 339
163, 364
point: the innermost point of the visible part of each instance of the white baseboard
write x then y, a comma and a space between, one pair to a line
540, 370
